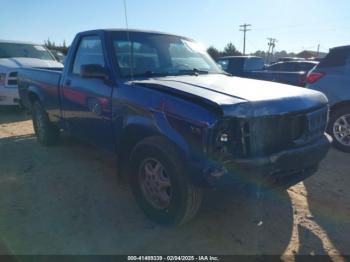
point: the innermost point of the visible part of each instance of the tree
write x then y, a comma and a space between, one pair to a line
213, 52
230, 50
52, 46
261, 54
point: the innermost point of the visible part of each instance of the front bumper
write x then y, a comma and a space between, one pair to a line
9, 96
282, 169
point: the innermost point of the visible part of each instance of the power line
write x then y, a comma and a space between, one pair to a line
244, 28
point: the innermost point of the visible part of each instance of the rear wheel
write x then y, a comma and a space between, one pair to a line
339, 128
160, 185
46, 133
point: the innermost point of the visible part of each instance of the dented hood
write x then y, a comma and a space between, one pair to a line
240, 97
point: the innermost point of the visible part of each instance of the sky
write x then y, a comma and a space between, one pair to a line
296, 24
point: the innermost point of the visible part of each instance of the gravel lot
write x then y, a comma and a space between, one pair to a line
67, 200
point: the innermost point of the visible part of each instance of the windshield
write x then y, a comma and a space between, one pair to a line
150, 54
10, 50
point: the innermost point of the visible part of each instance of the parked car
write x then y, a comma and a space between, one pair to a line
14, 55
59, 56
292, 66
287, 59
176, 121
332, 77
254, 67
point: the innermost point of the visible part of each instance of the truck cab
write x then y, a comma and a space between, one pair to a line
241, 65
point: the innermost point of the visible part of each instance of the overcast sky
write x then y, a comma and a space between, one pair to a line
296, 24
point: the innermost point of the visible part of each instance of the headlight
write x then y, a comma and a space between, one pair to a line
12, 79
222, 143
223, 137
230, 138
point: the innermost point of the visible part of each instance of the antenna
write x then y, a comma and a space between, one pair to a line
126, 15
130, 44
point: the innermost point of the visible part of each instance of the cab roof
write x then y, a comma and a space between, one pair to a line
121, 30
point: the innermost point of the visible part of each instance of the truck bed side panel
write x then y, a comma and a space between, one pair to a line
44, 84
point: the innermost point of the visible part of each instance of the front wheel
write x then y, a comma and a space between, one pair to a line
160, 185
339, 128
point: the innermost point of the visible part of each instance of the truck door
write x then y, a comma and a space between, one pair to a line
86, 96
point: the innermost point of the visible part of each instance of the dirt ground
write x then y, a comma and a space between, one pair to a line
67, 200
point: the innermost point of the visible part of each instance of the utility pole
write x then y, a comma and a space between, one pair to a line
272, 45
244, 28
318, 50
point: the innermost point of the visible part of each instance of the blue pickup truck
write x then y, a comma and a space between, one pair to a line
254, 67
176, 121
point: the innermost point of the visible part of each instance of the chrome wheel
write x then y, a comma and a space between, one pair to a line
341, 130
155, 183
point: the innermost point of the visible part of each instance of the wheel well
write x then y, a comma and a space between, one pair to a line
130, 137
133, 135
340, 105
32, 97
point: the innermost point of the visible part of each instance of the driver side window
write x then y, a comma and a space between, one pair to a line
89, 52
145, 57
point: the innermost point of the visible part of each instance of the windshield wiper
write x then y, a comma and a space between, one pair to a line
194, 71
150, 73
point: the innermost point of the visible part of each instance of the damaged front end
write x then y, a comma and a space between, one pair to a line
267, 150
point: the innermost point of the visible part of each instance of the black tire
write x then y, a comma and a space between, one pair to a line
336, 115
185, 199
46, 133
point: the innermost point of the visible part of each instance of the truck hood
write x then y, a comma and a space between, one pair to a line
18, 62
240, 97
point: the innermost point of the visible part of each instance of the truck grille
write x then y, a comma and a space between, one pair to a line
270, 135
267, 135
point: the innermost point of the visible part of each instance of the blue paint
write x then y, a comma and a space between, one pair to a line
189, 110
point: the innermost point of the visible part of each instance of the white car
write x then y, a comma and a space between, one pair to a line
14, 55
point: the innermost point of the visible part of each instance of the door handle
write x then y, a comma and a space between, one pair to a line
67, 82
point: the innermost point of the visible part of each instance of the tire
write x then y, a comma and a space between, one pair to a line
181, 200
47, 134
333, 129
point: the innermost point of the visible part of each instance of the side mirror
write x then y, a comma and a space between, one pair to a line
93, 71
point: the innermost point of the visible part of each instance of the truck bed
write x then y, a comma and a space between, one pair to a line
43, 82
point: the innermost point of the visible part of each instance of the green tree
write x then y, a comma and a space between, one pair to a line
230, 50
52, 46
213, 52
